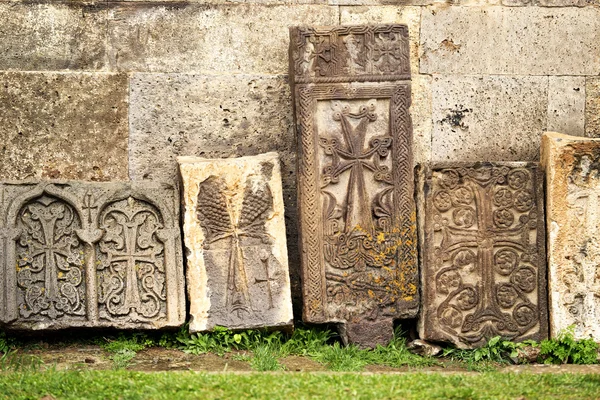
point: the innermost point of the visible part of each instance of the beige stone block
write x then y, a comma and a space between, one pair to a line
63, 125
52, 36
510, 40
592, 107
566, 104
234, 233
219, 39
572, 216
488, 118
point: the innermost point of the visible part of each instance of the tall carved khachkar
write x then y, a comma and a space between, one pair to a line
572, 167
483, 262
234, 233
355, 178
82, 254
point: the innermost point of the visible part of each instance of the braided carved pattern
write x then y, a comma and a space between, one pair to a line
404, 186
363, 78
313, 272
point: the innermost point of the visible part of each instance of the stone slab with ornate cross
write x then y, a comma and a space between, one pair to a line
483, 252
84, 254
572, 166
355, 178
234, 233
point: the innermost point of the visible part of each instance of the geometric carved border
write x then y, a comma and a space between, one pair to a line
311, 239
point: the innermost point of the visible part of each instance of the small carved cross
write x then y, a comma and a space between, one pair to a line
87, 205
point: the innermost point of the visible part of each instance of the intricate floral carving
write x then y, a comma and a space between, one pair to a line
131, 270
50, 269
484, 249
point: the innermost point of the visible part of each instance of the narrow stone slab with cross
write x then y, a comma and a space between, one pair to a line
483, 253
355, 178
572, 166
234, 233
83, 254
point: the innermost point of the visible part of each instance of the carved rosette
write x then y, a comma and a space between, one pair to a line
484, 272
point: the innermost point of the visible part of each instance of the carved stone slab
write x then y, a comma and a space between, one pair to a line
483, 256
234, 231
82, 254
572, 167
355, 178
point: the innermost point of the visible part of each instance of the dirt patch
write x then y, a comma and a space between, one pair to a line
301, 364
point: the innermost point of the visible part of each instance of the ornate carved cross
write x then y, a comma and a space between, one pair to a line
352, 156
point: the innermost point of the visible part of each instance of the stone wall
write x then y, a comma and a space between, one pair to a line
110, 90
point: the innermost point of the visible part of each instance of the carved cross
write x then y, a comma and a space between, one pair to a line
265, 260
484, 240
353, 157
129, 254
49, 247
87, 206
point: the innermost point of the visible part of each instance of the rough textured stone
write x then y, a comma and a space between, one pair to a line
483, 253
90, 255
423, 348
496, 118
510, 40
357, 214
234, 233
592, 107
249, 39
52, 36
566, 104
572, 202
63, 125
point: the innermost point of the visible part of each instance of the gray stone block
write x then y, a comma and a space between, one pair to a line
82, 254
200, 38
63, 125
510, 40
566, 104
483, 266
52, 36
237, 272
488, 118
355, 178
592, 106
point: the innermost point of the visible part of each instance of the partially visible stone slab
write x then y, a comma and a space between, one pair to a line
63, 125
566, 104
81, 254
510, 40
483, 253
592, 107
237, 273
488, 118
573, 216
52, 36
355, 178
219, 39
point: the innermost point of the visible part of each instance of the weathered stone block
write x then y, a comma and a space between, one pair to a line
219, 39
237, 273
491, 118
357, 213
592, 107
63, 125
80, 254
572, 202
52, 36
510, 40
483, 253
566, 104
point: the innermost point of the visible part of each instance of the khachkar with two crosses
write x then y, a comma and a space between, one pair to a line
84, 254
355, 181
484, 270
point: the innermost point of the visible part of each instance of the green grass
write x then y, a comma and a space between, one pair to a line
190, 385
